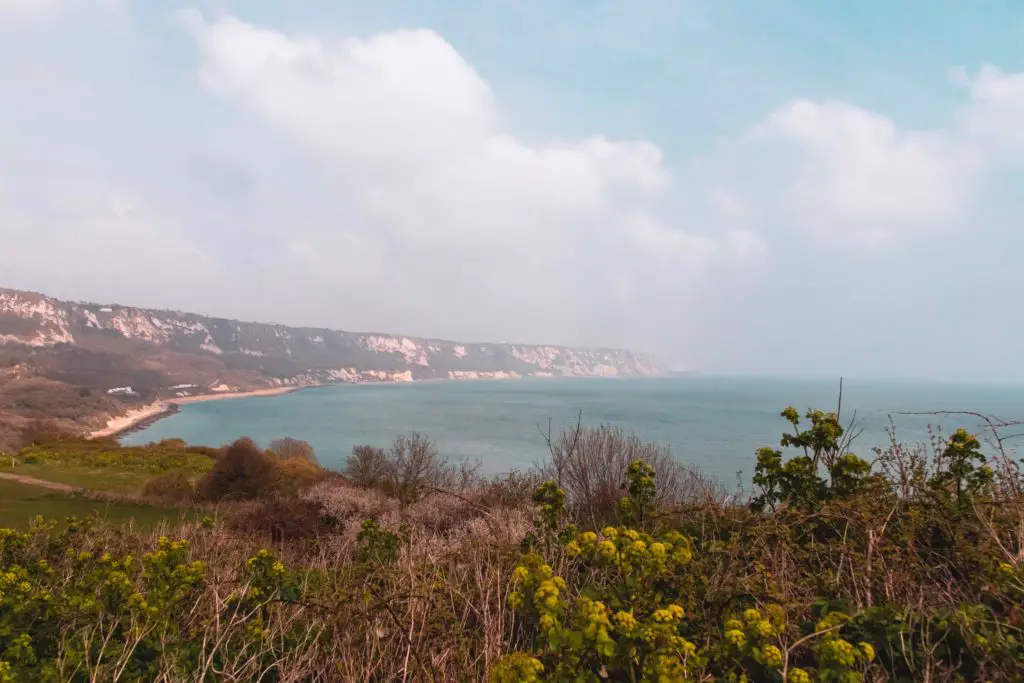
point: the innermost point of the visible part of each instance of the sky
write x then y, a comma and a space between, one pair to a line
792, 187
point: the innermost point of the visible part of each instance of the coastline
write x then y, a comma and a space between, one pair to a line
143, 417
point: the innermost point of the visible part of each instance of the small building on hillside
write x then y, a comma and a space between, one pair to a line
122, 391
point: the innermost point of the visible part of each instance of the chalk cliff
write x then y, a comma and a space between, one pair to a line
165, 350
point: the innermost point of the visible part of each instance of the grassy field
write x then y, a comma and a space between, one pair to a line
82, 476
104, 465
20, 503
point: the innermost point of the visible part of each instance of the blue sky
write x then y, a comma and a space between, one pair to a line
793, 187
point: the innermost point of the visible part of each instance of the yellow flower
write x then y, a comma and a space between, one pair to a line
547, 622
632, 535
278, 568
867, 651
751, 616
682, 555
624, 620
658, 549
520, 574
573, 548
798, 676
772, 656
639, 547
609, 532
736, 637
763, 629
515, 600
588, 538
607, 549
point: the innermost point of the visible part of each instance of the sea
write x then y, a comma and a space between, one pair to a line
715, 424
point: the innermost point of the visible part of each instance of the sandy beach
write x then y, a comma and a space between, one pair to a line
153, 411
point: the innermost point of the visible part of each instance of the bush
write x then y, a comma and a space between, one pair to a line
590, 465
285, 519
409, 469
292, 449
366, 467
173, 487
511, 490
912, 573
243, 472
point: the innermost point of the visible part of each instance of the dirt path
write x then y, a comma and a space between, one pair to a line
42, 483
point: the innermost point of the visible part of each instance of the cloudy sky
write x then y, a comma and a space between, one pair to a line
783, 187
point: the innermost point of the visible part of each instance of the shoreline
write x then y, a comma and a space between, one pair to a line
140, 418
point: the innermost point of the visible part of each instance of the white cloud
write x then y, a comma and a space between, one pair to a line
845, 173
411, 136
856, 166
992, 118
86, 239
29, 10
375, 183
41, 11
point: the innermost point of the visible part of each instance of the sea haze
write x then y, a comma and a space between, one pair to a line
715, 423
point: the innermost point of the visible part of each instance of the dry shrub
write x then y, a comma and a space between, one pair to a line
590, 464
289, 448
366, 466
438, 523
244, 471
511, 490
440, 512
241, 473
173, 487
297, 473
349, 502
41, 432
411, 468
284, 519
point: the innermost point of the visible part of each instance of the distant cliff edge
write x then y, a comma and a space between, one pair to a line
128, 354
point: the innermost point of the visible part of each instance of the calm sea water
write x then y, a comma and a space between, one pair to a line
715, 423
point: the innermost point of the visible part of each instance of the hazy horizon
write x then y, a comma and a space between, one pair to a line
795, 190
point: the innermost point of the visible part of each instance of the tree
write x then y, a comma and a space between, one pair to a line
288, 448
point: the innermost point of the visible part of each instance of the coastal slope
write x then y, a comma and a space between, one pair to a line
103, 360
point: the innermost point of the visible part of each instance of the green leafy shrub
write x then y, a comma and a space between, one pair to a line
798, 481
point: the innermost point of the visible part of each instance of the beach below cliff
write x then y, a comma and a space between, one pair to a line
147, 414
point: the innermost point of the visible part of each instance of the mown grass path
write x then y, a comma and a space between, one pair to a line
33, 481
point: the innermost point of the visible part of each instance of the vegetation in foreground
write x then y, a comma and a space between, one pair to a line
610, 563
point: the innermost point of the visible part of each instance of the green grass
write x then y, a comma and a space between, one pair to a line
104, 465
111, 479
20, 503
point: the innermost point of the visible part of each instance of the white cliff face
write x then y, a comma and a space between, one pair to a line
484, 374
412, 352
290, 356
50, 322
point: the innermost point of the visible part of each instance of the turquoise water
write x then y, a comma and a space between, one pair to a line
715, 423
